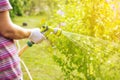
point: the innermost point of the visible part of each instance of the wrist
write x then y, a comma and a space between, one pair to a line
28, 33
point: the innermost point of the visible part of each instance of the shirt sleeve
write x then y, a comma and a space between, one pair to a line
5, 5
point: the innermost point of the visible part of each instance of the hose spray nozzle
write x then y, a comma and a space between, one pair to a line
47, 30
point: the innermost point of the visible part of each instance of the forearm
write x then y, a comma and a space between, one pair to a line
16, 32
10, 30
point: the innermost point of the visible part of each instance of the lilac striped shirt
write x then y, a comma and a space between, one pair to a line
9, 60
5, 5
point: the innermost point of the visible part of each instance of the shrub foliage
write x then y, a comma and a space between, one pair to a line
92, 53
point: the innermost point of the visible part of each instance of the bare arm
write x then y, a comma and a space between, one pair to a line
10, 30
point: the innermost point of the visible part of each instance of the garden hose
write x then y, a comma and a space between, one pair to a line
22, 62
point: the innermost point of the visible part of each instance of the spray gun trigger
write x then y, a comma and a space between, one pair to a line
44, 29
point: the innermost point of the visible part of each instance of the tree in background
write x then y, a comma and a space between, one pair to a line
32, 7
20, 7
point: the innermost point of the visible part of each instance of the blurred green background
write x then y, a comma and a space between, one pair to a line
88, 49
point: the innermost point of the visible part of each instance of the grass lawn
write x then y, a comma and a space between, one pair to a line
39, 57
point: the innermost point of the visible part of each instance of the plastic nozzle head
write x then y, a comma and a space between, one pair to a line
57, 31
47, 30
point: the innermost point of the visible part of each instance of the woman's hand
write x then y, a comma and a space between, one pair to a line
36, 36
